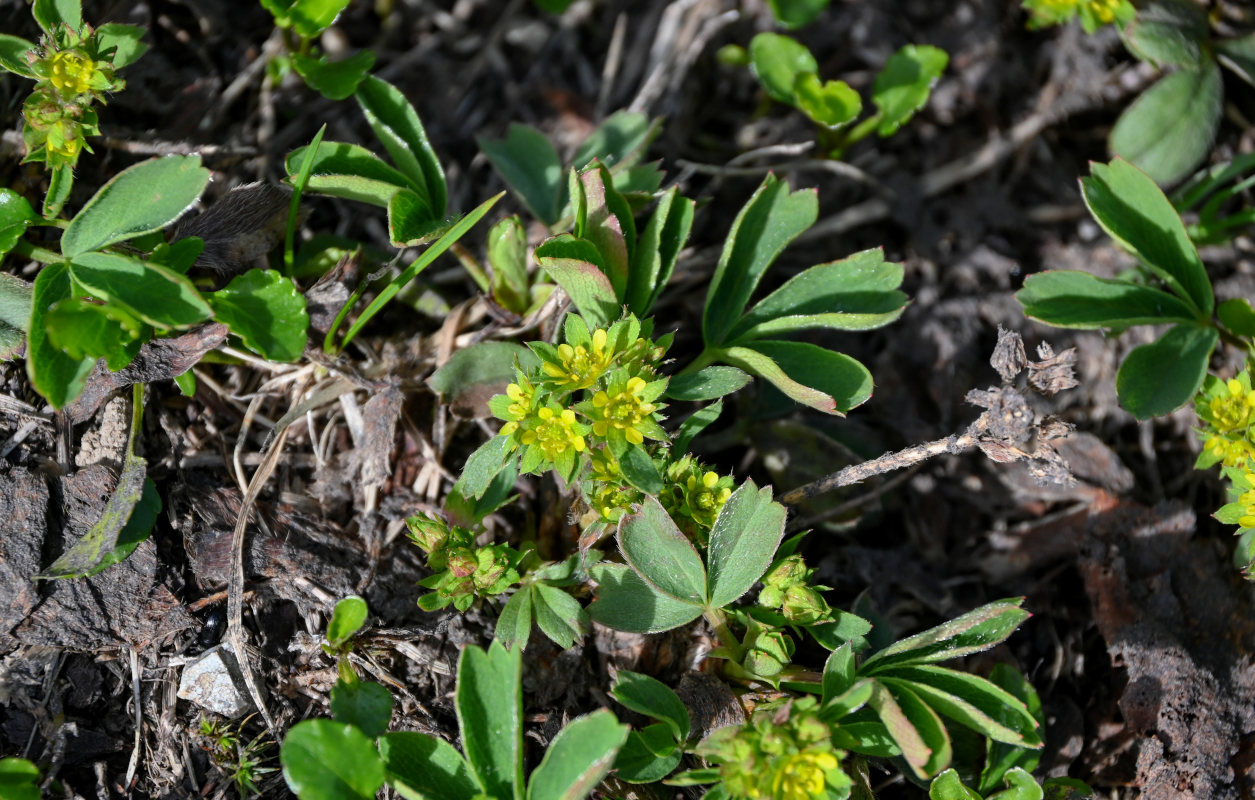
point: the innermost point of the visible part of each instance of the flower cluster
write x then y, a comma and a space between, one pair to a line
1093, 13
784, 752
72, 71
1227, 410
786, 588
461, 571
588, 400
694, 496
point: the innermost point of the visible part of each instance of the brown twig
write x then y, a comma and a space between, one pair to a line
953, 445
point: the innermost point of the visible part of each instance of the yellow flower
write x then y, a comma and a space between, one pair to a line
71, 73
554, 432
64, 139
624, 411
1105, 10
579, 366
521, 398
801, 776
1233, 410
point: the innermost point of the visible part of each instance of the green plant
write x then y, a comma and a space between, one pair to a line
1210, 196
116, 284
19, 779
1170, 286
73, 67
1093, 13
788, 71
242, 762
353, 755
795, 14
1168, 130
1020, 785
891, 705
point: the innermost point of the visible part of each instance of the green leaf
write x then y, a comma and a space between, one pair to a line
974, 632
619, 142
60, 182
640, 471
1238, 55
839, 673
607, 223
743, 541
325, 760
398, 127
870, 738
1168, 130
832, 104
82, 329
1020, 786
422, 767
658, 249
1132, 209
266, 311
507, 256
410, 220
574, 265
1074, 299
707, 384
137, 529
529, 165
13, 50
822, 379
347, 619
483, 466
1002, 757
901, 728
947, 786
1160, 377
972, 701
51, 13
364, 704
158, 296
559, 615
19, 779
476, 370
777, 60
433, 251
334, 80
857, 293
138, 200
514, 626
797, 13
490, 709
1169, 32
771, 219
662, 555
59, 378
1235, 314
637, 761
697, 422
125, 41
578, 758
16, 296
349, 171
311, 17
653, 698
903, 86
926, 723
626, 602
848, 702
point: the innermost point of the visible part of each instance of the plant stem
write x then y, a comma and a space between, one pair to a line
42, 255
704, 359
719, 621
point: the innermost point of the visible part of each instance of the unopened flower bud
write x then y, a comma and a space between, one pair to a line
804, 606
491, 564
789, 572
461, 562
429, 533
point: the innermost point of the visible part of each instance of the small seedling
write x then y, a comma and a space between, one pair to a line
341, 759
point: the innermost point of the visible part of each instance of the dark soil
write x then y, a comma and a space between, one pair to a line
1142, 634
